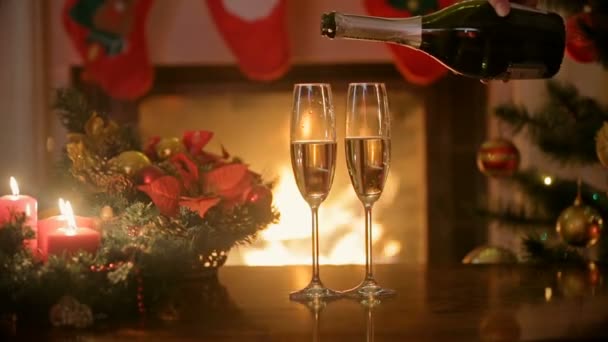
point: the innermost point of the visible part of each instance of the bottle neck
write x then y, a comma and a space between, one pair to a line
404, 31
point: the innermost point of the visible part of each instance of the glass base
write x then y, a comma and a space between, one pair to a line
313, 292
369, 292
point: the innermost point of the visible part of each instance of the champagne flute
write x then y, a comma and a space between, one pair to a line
368, 147
313, 159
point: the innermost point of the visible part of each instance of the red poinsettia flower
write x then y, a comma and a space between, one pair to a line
165, 193
195, 141
200, 205
232, 182
187, 170
150, 148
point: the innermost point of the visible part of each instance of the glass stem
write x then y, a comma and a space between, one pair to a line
315, 327
370, 325
368, 243
315, 244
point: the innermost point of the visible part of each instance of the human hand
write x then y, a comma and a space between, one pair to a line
503, 7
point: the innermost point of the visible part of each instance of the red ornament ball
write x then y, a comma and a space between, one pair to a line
498, 158
148, 174
579, 46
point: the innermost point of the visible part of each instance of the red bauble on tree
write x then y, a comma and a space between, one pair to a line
498, 158
579, 46
416, 66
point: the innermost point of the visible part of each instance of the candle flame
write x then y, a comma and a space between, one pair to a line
65, 207
14, 186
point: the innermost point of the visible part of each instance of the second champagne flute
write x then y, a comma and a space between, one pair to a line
313, 159
368, 151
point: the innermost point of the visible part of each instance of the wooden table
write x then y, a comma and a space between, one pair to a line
455, 303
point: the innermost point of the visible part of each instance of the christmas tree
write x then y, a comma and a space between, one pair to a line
560, 218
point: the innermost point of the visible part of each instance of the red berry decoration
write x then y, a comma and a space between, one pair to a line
498, 158
261, 196
579, 46
148, 174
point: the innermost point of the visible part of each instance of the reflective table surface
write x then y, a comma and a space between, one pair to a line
450, 303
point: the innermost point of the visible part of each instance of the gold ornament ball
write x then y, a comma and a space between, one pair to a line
167, 147
580, 225
601, 144
130, 162
490, 255
576, 281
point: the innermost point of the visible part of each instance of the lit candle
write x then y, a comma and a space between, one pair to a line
71, 238
51, 224
17, 203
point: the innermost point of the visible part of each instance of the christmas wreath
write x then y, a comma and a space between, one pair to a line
166, 213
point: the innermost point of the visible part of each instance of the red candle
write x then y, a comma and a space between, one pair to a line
17, 203
70, 240
49, 226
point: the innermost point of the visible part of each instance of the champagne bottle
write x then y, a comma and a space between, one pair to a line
469, 38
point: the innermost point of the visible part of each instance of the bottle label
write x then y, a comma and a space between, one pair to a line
525, 71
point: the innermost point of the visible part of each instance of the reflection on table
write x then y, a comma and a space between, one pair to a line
456, 303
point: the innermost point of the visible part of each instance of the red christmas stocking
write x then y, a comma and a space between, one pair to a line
110, 38
415, 66
256, 33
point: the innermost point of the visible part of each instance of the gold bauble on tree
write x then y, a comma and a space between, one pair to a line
580, 225
167, 147
576, 281
130, 162
601, 144
490, 255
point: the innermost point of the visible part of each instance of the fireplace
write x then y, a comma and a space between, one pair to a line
422, 215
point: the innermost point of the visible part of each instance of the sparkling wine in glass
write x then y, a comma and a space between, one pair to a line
313, 160
368, 153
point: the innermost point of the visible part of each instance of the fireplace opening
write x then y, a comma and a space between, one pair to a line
251, 120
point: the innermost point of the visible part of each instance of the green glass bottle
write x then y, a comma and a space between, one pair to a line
469, 38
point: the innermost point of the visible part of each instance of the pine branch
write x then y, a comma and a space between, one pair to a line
73, 109
515, 116
545, 202
516, 218
12, 234
538, 251
560, 194
564, 128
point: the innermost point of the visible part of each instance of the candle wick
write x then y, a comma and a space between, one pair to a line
69, 231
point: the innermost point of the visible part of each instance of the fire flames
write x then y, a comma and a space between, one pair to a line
341, 230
